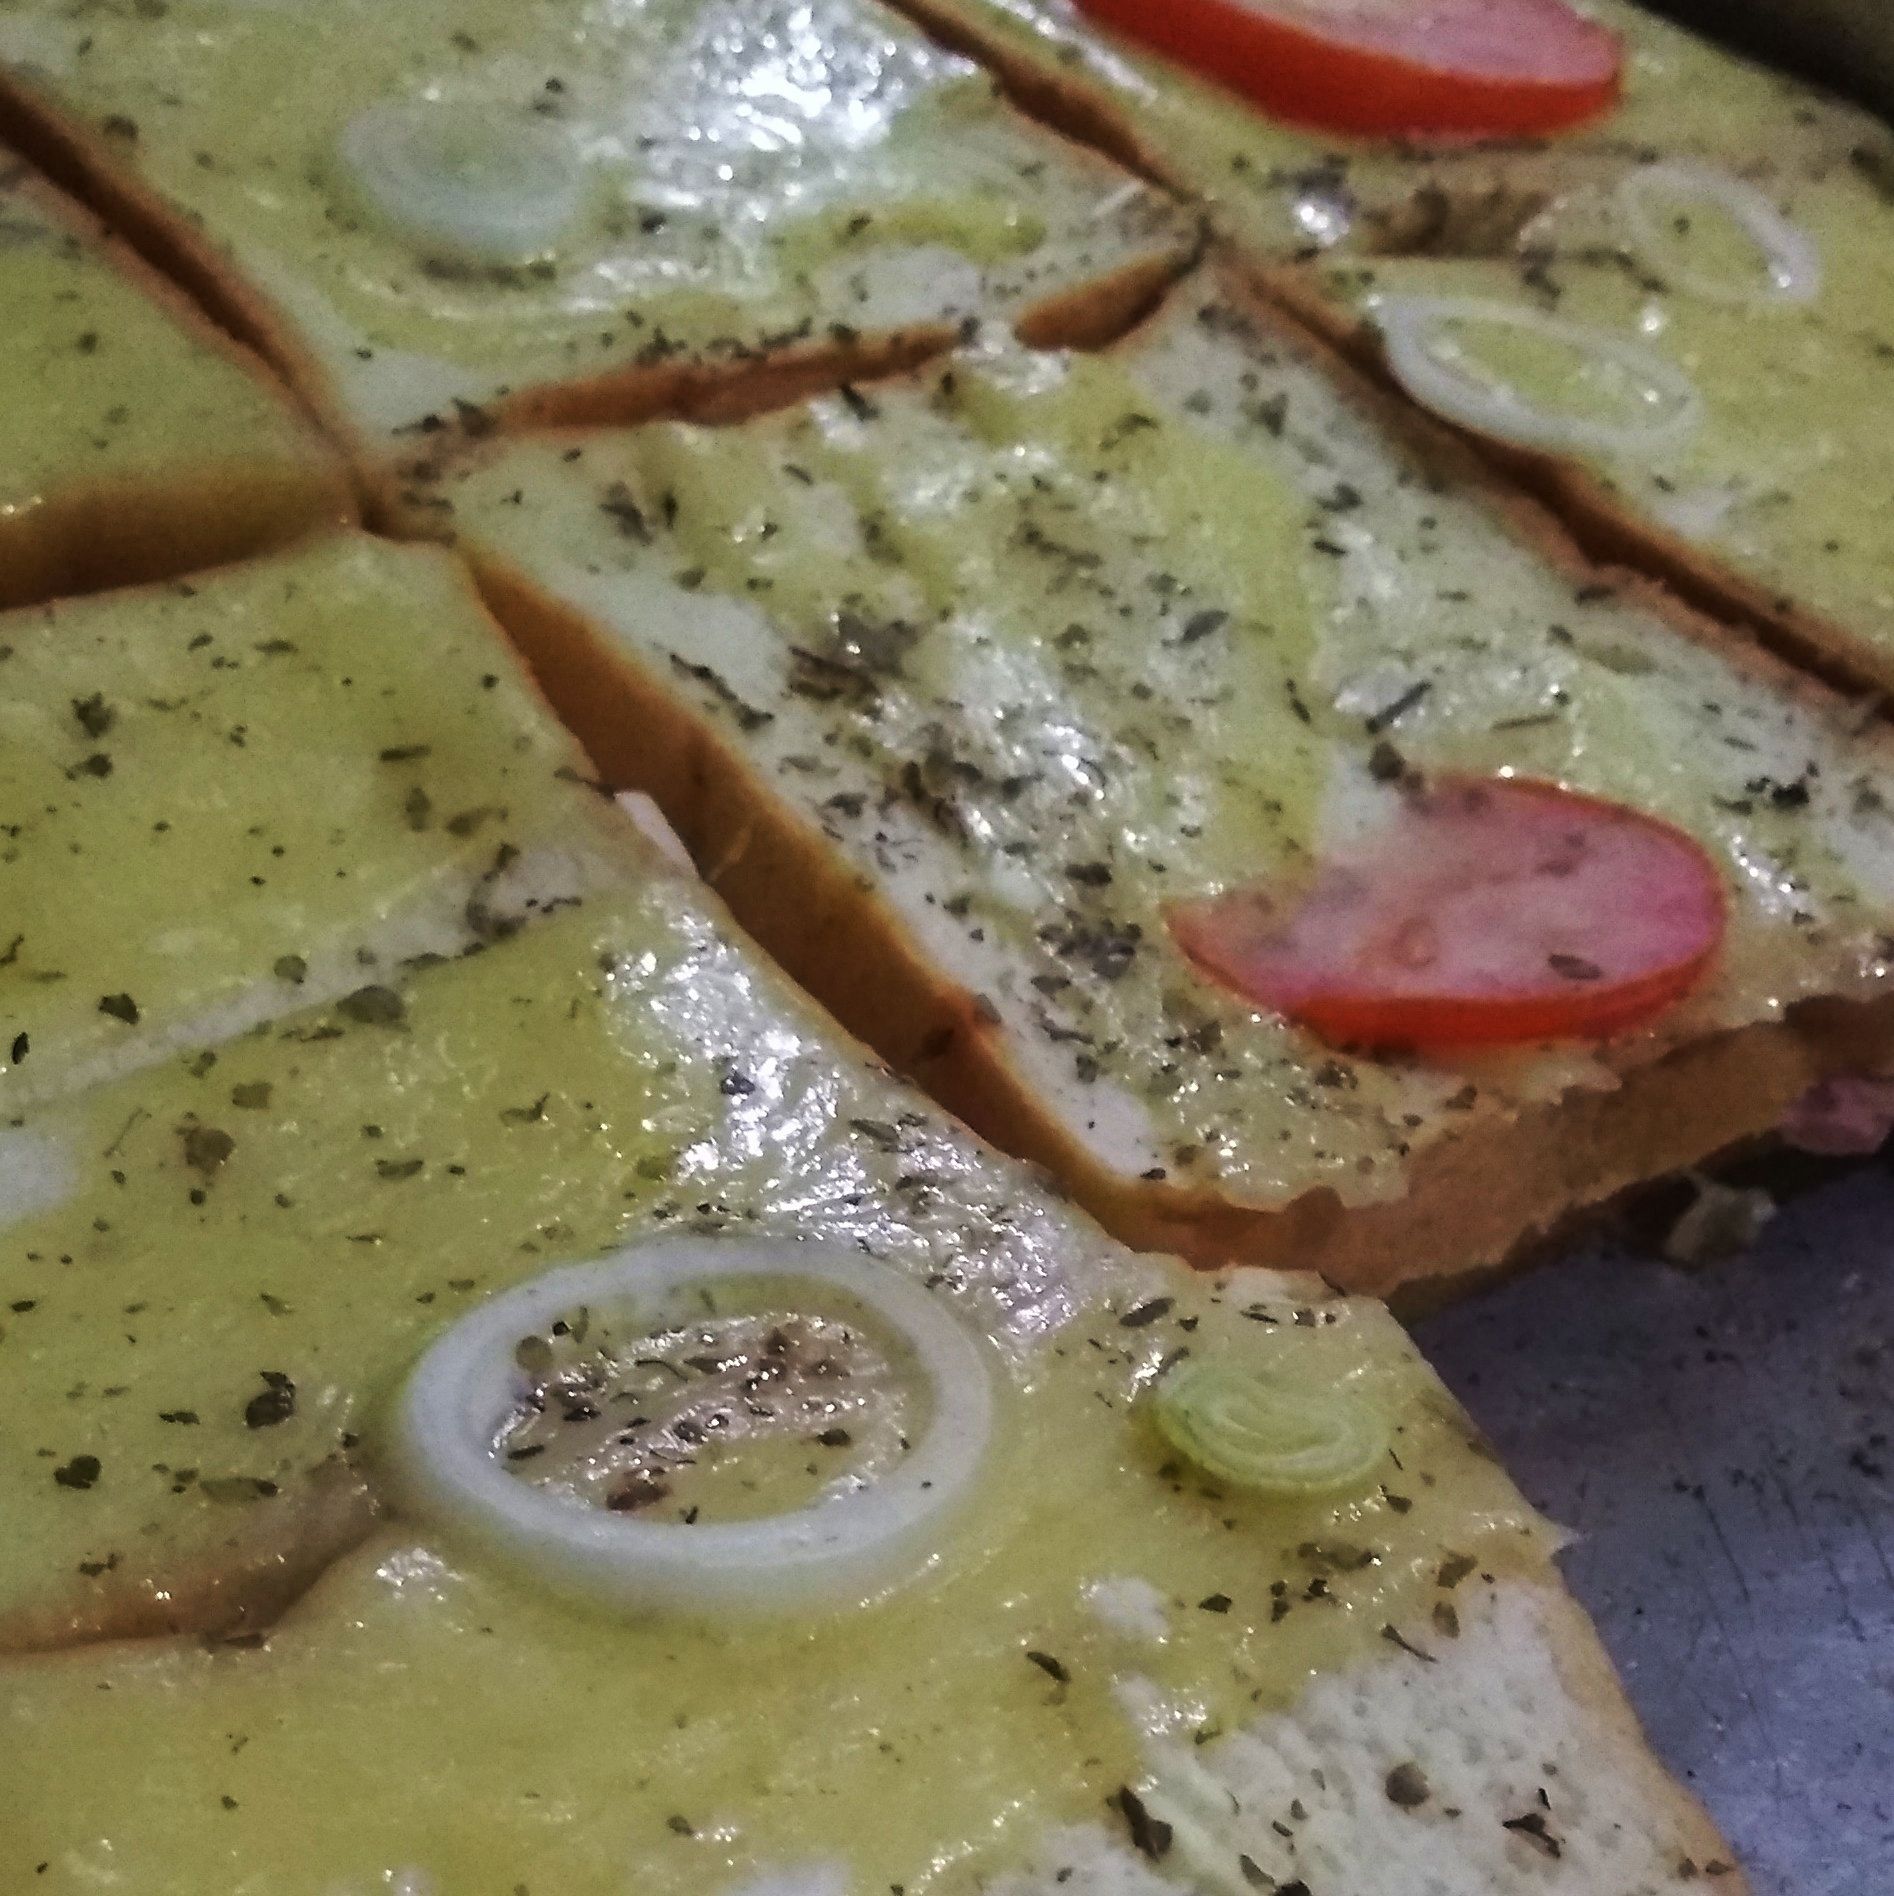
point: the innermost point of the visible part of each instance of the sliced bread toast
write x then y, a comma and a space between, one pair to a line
436, 217
1724, 231
953, 692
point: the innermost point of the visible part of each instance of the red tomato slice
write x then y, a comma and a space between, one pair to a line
1472, 68
1489, 911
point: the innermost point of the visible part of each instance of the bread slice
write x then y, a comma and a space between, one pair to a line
1145, 1675
135, 441
1765, 511
951, 692
694, 204
231, 797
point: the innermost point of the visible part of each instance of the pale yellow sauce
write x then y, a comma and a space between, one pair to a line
417, 1714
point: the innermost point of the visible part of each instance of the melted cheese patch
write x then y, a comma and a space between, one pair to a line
618, 1069
226, 798
1043, 644
732, 179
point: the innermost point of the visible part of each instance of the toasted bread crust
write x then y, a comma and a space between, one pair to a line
279, 1550
1075, 109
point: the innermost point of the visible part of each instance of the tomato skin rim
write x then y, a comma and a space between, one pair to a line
1296, 74
1445, 1022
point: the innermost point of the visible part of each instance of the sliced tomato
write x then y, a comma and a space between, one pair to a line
1487, 911
1466, 68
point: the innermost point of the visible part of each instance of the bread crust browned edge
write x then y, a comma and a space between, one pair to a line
1474, 1202
1609, 532
1081, 316
115, 533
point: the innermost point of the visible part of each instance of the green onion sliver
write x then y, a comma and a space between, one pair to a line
1254, 1431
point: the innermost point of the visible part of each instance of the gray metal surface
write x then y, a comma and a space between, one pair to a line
1722, 1444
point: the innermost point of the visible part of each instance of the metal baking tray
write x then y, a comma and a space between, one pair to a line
1721, 1443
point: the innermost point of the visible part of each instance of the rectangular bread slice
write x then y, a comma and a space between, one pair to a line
1113, 1671
230, 797
953, 691
455, 212
1723, 229
135, 440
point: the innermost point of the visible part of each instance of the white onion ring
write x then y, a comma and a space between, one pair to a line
462, 180
833, 1553
1407, 327
1792, 262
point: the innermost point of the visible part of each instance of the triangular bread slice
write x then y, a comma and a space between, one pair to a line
954, 691
1729, 224
136, 441
465, 213
230, 797
1113, 1675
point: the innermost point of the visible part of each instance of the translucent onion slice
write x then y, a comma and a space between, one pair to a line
1791, 260
476, 183
1253, 1431
836, 1552
1666, 406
